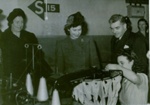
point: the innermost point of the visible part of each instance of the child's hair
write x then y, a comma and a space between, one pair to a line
123, 19
131, 55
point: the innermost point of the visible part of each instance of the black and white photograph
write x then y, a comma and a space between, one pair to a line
74, 52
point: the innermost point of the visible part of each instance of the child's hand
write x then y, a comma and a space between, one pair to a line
111, 67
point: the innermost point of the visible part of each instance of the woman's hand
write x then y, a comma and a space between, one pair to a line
112, 67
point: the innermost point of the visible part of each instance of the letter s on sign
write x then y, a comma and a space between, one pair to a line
39, 7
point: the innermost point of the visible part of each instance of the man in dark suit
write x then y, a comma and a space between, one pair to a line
125, 38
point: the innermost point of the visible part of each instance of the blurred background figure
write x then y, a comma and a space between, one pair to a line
148, 54
2, 17
143, 31
143, 27
0, 20
0, 45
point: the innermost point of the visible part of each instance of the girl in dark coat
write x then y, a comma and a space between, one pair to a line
76, 52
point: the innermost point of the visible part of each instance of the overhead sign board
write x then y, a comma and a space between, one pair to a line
39, 8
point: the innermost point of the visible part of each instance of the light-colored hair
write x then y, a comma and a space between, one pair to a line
123, 19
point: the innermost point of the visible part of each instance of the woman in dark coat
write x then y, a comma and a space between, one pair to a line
76, 52
21, 52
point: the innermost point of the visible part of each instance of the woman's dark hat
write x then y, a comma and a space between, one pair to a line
16, 12
75, 19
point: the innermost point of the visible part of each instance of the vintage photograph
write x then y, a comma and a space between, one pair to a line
74, 52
